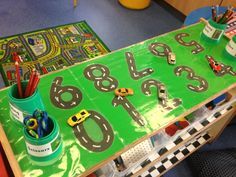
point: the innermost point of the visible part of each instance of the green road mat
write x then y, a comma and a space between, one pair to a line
49, 49
117, 122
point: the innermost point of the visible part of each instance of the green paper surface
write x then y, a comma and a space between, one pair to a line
76, 159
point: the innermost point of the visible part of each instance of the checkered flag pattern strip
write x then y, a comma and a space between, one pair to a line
177, 156
196, 127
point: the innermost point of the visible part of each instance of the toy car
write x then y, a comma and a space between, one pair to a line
215, 66
171, 59
123, 92
78, 118
162, 92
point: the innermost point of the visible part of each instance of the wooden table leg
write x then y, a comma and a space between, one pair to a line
9, 153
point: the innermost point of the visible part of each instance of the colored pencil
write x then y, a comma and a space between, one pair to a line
213, 13
226, 15
34, 84
217, 12
232, 16
18, 79
16, 57
29, 85
222, 18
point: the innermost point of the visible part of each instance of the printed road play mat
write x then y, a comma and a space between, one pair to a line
162, 93
49, 49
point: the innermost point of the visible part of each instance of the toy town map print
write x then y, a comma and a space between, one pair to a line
49, 49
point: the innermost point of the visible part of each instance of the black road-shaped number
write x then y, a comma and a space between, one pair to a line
198, 48
203, 84
146, 89
85, 140
102, 79
159, 49
129, 108
133, 70
57, 90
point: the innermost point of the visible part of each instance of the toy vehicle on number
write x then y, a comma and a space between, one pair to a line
78, 118
162, 94
123, 92
215, 66
171, 58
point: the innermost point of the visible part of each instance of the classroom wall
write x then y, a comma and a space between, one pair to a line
187, 6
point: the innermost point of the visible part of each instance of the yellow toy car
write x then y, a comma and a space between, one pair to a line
123, 92
78, 118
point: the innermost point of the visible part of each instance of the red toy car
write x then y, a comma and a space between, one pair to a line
216, 67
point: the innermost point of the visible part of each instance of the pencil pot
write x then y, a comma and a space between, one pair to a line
231, 47
20, 107
213, 31
47, 149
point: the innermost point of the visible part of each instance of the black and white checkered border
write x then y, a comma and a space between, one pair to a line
196, 127
177, 156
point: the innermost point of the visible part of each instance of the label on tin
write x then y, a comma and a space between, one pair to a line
44, 150
16, 113
231, 48
212, 32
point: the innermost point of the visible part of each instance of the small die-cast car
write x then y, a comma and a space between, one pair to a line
214, 65
162, 92
171, 59
78, 118
123, 92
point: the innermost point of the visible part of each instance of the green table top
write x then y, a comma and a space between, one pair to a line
118, 122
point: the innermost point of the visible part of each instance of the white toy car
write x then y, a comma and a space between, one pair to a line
162, 92
171, 58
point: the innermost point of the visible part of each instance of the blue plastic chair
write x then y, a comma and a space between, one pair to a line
204, 12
